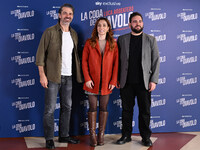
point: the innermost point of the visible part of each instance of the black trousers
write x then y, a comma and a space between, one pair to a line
128, 94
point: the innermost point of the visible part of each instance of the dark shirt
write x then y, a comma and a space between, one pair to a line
135, 74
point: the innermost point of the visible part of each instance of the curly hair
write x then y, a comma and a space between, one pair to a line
109, 34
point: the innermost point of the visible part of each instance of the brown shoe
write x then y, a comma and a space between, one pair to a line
92, 117
103, 115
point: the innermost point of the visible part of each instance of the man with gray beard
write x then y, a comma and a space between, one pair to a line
57, 60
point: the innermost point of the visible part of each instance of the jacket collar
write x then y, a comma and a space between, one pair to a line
58, 27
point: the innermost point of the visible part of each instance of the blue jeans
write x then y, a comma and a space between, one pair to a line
65, 92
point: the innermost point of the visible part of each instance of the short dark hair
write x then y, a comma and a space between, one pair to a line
65, 5
133, 15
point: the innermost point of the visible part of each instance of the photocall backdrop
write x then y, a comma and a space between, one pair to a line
175, 24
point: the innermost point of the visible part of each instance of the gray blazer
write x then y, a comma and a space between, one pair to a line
150, 59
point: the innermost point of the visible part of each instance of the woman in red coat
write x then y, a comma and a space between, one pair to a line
100, 69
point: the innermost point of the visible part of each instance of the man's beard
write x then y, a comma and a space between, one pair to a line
66, 22
137, 31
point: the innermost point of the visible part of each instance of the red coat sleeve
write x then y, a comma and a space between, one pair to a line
85, 66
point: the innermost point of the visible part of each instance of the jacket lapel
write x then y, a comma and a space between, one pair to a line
143, 44
127, 44
97, 47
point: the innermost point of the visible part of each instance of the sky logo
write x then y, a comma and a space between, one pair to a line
98, 3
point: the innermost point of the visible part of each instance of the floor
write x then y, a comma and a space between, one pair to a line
161, 141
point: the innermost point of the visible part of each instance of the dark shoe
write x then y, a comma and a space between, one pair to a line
123, 140
50, 144
147, 142
68, 140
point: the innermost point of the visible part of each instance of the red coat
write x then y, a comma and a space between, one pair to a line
91, 66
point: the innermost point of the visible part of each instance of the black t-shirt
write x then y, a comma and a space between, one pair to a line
135, 74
